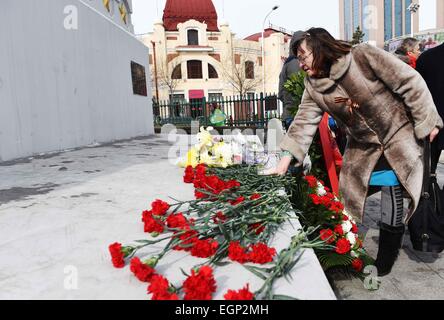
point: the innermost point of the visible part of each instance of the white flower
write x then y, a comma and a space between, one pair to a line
320, 190
347, 226
351, 237
354, 254
349, 216
223, 154
206, 158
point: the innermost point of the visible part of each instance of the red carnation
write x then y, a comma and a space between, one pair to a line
117, 255
258, 228
214, 184
189, 175
331, 196
232, 184
237, 201
354, 228
204, 248
187, 240
343, 246
200, 195
177, 221
312, 181
237, 253
160, 289
243, 294
339, 230
159, 284
327, 235
166, 296
199, 182
219, 217
336, 207
358, 264
142, 271
200, 170
159, 207
151, 224
261, 253
200, 285
326, 201
255, 196
316, 199
258, 253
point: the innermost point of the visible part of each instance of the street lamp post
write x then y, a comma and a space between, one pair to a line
155, 71
413, 8
263, 49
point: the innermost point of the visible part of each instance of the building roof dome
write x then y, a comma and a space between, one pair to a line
179, 11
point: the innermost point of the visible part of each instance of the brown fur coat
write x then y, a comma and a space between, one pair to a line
396, 111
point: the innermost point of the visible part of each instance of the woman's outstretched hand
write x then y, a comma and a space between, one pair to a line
281, 168
433, 134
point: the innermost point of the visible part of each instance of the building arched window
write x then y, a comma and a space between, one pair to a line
193, 37
249, 69
194, 69
212, 73
177, 72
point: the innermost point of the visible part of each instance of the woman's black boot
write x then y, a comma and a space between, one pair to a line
390, 241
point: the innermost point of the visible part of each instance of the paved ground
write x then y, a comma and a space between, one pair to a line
416, 275
59, 212
47, 202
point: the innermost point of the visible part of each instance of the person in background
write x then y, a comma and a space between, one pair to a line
430, 44
422, 45
431, 67
386, 110
409, 51
291, 66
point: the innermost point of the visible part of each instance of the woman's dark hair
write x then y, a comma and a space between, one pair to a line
407, 45
326, 49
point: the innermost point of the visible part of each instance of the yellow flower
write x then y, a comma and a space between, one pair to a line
191, 159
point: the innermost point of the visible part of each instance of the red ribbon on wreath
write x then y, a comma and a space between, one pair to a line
332, 155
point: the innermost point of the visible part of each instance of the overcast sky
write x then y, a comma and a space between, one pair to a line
246, 16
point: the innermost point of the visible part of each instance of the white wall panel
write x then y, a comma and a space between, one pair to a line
63, 88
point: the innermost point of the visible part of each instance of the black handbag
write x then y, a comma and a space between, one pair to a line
426, 226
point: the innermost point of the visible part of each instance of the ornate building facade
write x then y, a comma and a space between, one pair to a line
194, 55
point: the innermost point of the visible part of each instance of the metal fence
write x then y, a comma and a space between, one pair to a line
248, 111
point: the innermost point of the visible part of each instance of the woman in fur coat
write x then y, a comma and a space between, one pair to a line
387, 112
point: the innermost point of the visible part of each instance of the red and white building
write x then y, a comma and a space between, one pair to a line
194, 55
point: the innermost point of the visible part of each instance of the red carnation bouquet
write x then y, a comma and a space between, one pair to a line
338, 228
232, 219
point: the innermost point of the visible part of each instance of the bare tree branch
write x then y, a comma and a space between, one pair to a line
236, 73
165, 76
